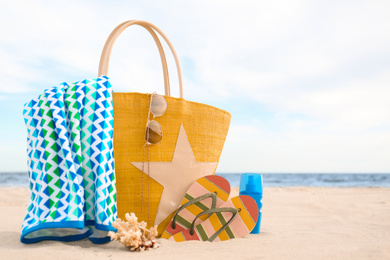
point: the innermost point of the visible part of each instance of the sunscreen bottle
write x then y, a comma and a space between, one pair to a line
251, 184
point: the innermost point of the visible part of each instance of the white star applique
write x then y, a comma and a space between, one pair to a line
176, 176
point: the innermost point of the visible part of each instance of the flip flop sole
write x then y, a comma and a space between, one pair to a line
204, 185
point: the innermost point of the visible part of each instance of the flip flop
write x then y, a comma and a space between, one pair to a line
206, 193
235, 218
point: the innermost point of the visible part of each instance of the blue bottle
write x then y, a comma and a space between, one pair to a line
251, 184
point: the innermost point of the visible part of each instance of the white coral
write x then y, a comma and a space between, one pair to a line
133, 234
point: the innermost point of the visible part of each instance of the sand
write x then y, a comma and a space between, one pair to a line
298, 223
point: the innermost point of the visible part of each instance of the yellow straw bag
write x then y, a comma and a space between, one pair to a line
152, 179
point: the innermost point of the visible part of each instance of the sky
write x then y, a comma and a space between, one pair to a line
307, 82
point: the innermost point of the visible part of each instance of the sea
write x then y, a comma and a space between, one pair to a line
269, 179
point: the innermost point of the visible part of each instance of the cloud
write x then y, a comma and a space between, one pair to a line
303, 75
14, 74
49, 42
252, 148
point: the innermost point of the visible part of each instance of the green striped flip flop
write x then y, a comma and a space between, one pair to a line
235, 218
206, 193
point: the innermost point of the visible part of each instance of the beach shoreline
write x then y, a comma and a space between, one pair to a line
297, 223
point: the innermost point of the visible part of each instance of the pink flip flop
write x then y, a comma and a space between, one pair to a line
206, 193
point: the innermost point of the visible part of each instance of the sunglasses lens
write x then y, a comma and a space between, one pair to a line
158, 105
153, 132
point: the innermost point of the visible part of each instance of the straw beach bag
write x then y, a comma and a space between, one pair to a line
152, 177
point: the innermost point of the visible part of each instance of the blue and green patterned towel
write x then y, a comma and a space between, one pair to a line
71, 163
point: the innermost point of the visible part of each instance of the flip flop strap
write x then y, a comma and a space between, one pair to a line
211, 211
213, 196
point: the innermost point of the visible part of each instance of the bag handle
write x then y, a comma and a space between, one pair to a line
106, 53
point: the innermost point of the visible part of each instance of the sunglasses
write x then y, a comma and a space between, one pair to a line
158, 106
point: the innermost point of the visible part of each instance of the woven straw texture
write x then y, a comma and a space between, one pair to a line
206, 128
